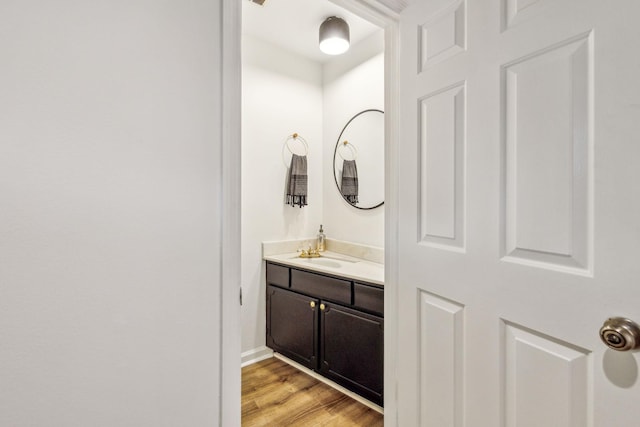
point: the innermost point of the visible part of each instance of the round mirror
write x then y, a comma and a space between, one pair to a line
358, 160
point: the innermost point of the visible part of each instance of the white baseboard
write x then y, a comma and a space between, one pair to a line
330, 383
255, 355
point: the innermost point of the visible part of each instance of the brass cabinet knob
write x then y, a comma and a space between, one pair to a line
322, 307
620, 334
312, 304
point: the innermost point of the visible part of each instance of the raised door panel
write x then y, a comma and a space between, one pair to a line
292, 325
547, 157
441, 361
441, 162
443, 35
351, 350
563, 398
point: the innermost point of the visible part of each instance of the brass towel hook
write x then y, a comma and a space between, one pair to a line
351, 147
286, 147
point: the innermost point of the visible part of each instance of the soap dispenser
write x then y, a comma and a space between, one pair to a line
321, 240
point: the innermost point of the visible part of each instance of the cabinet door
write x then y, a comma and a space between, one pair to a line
292, 325
351, 351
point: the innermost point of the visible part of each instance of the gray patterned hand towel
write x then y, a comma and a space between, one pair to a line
297, 186
349, 187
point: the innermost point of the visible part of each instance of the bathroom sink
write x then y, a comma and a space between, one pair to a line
324, 262
330, 260
350, 261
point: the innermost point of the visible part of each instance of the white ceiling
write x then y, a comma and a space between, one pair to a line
293, 24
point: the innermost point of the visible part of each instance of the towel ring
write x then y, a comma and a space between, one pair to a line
294, 137
350, 146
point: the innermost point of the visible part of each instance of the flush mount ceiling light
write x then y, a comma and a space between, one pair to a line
334, 36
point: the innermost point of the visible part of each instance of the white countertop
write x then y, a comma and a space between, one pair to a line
336, 264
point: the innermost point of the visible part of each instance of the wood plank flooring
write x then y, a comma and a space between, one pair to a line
276, 394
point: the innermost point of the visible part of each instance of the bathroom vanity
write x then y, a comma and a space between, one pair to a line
327, 321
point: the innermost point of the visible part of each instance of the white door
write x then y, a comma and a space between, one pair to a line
519, 211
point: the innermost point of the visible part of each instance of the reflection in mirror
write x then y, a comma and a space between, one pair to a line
358, 160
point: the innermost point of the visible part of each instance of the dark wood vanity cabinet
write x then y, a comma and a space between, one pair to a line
331, 325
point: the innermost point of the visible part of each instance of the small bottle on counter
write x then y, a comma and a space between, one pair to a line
321, 240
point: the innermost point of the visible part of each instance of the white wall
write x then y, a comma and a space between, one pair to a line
109, 213
352, 83
282, 94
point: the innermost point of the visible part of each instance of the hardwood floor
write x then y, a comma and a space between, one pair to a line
276, 394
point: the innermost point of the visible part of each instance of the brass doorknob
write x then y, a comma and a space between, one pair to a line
322, 306
620, 334
312, 304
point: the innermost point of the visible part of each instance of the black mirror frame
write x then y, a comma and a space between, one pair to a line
335, 152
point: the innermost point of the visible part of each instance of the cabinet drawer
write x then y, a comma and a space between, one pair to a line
321, 286
277, 275
368, 298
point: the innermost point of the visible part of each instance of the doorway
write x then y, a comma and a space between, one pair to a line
266, 136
